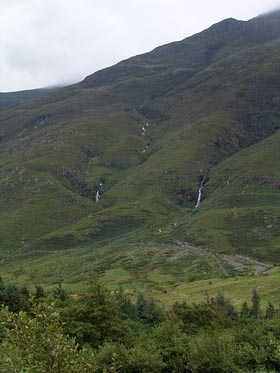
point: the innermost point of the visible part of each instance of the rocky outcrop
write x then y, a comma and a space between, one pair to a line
79, 186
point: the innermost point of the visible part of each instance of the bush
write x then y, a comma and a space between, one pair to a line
38, 345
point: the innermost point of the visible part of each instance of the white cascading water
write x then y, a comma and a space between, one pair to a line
199, 194
199, 198
97, 196
144, 129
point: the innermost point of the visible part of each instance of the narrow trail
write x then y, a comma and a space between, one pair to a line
201, 251
219, 264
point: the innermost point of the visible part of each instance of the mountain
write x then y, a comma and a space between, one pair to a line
14, 98
147, 138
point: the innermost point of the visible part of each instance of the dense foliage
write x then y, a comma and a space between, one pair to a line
102, 332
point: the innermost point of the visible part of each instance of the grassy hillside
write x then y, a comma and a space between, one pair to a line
168, 271
147, 135
241, 213
14, 98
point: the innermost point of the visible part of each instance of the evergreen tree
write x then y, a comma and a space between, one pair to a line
16, 299
224, 307
256, 301
147, 310
245, 311
124, 303
25, 292
39, 292
197, 316
94, 317
60, 293
140, 306
153, 313
220, 299
270, 311
2, 290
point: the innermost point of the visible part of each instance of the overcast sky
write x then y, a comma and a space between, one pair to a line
49, 42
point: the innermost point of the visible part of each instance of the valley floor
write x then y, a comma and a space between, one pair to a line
171, 272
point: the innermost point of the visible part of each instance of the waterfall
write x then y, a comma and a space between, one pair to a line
146, 147
143, 133
199, 193
199, 197
97, 196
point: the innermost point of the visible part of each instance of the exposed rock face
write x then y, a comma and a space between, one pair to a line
79, 186
170, 171
266, 180
152, 114
90, 152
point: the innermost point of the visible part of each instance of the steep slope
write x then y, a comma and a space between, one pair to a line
145, 136
14, 98
240, 213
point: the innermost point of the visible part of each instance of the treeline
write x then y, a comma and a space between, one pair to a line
98, 331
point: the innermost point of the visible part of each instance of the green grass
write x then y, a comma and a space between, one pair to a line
237, 289
160, 278
157, 278
166, 271
152, 265
116, 276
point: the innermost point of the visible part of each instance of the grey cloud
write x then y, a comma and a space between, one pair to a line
48, 42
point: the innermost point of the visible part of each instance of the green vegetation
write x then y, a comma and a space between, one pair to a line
99, 181
98, 331
13, 98
169, 272
37, 344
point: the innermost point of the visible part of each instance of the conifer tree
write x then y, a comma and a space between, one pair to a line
245, 311
270, 311
256, 301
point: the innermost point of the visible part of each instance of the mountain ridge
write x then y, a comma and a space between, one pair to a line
149, 134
